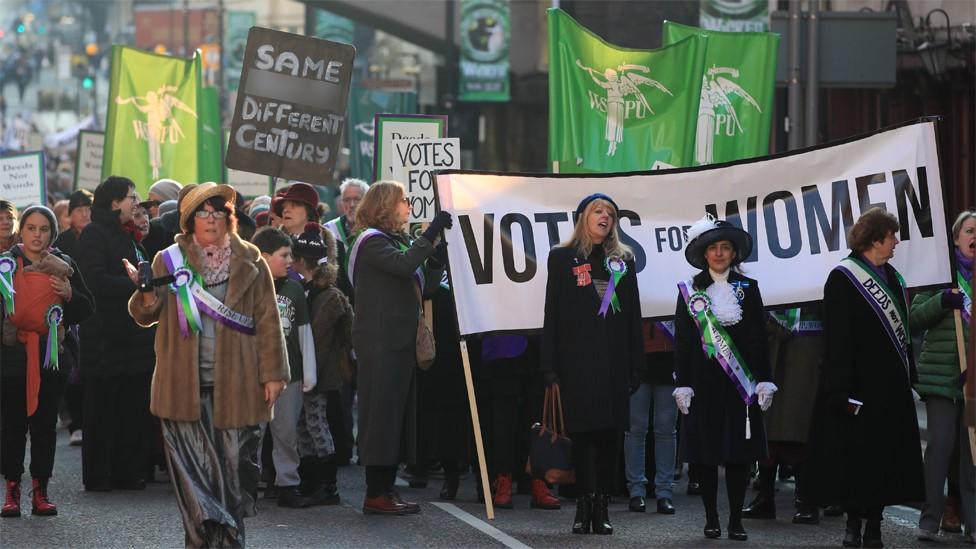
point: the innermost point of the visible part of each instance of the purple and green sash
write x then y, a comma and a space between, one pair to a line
717, 343
882, 300
357, 245
617, 268
967, 297
797, 321
192, 298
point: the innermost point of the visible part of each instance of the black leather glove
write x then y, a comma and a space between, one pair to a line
440, 253
441, 221
550, 378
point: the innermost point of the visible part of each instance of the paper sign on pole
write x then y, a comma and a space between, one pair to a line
22, 179
388, 127
88, 168
415, 162
291, 106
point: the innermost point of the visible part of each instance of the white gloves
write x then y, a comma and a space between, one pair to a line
766, 390
682, 397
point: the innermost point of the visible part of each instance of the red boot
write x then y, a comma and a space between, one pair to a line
503, 491
39, 502
542, 498
11, 502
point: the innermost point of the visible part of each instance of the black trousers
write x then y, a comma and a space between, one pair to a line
595, 459
336, 415
118, 429
15, 425
379, 479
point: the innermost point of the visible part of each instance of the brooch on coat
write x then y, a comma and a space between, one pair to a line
582, 274
738, 287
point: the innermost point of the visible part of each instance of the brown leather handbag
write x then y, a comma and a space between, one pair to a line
425, 339
551, 451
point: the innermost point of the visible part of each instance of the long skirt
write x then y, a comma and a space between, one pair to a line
214, 474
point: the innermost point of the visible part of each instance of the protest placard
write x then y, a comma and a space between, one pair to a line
291, 106
88, 167
797, 206
388, 127
415, 163
22, 179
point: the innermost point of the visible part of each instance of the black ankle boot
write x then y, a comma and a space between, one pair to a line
601, 515
764, 505
736, 531
450, 487
872, 534
712, 528
852, 537
584, 514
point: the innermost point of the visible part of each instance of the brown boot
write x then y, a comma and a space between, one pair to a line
503, 491
950, 516
542, 498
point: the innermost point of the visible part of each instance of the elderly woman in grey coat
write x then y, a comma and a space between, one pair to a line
389, 273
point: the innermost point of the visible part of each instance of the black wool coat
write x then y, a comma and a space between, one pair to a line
596, 358
714, 431
114, 344
875, 457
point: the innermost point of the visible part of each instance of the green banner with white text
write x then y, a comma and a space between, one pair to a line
614, 109
736, 105
153, 123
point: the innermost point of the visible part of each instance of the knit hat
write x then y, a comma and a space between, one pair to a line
586, 202
78, 199
263, 201
709, 230
51, 218
309, 244
262, 219
167, 207
165, 189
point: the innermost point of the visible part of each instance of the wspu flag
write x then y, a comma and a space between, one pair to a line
615, 109
154, 118
736, 106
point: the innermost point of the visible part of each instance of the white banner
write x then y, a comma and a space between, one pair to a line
798, 208
22, 179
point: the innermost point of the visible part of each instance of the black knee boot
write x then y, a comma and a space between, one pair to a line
584, 514
852, 536
325, 492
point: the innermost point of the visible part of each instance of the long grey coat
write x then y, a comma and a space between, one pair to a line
384, 336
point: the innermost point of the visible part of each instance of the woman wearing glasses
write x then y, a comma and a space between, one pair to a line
389, 274
119, 364
221, 364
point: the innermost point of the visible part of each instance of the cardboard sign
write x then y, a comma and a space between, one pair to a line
401, 126
88, 168
291, 106
415, 163
22, 179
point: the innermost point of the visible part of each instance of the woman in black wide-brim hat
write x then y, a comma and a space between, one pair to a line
592, 346
721, 363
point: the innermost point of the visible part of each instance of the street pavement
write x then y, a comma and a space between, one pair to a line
149, 519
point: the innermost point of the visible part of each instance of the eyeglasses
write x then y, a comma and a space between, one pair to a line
216, 214
134, 197
406, 200
351, 200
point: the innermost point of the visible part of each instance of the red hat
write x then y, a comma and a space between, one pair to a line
296, 192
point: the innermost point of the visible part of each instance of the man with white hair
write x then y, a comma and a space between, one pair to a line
351, 191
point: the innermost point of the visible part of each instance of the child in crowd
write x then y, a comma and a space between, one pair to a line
275, 248
331, 317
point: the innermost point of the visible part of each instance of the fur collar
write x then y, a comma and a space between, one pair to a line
244, 259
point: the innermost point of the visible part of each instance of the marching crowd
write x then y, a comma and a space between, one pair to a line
227, 342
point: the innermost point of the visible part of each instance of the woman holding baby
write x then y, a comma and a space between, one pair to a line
42, 290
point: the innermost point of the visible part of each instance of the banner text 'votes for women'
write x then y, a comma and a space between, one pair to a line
798, 208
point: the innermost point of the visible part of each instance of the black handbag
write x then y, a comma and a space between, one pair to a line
551, 451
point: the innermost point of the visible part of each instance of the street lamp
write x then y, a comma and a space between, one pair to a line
934, 52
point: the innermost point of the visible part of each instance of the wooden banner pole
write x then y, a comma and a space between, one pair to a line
476, 424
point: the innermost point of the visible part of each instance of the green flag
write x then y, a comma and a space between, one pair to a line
153, 124
738, 81
211, 165
614, 109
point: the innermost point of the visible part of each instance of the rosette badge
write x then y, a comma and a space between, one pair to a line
7, 268
617, 268
699, 303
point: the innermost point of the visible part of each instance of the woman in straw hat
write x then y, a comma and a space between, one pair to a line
721, 368
220, 363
